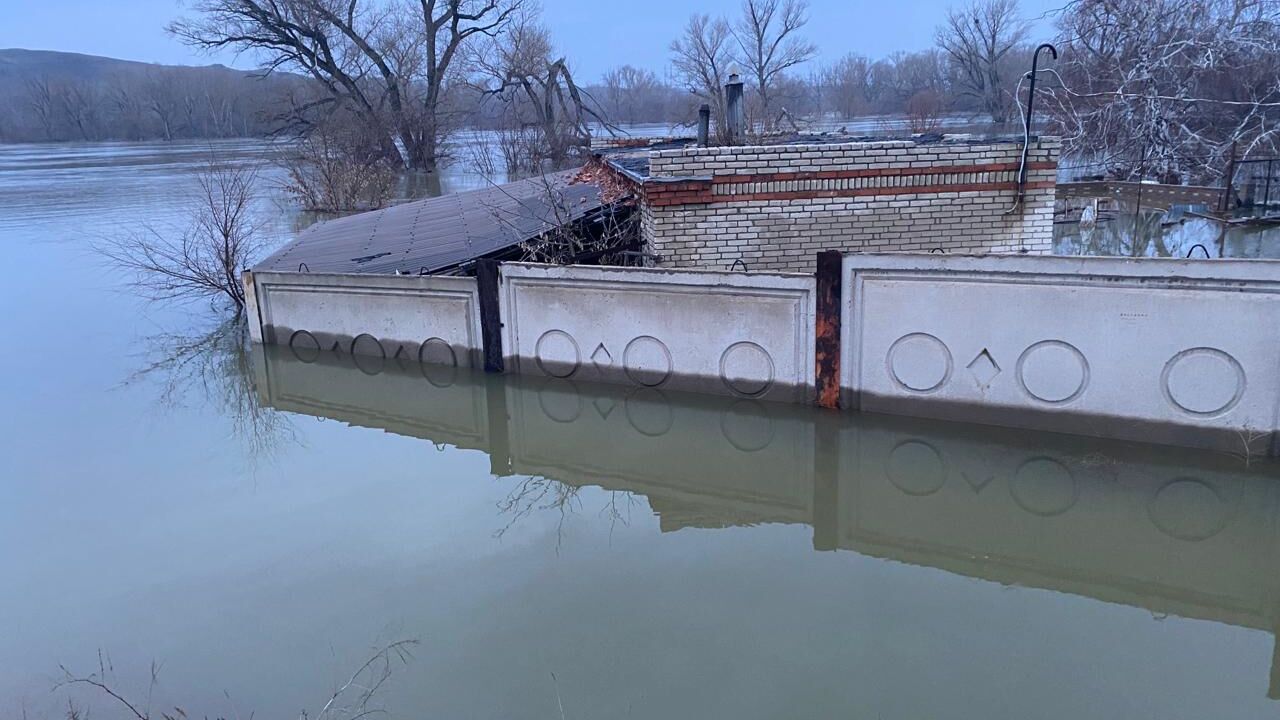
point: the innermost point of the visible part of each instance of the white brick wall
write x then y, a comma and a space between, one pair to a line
786, 234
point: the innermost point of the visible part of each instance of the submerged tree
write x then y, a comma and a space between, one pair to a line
547, 116
392, 65
338, 167
1164, 88
204, 259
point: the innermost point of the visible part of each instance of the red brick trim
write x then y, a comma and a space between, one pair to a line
870, 192
703, 198
878, 172
667, 193
683, 192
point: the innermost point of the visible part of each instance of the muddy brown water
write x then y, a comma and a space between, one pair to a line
255, 522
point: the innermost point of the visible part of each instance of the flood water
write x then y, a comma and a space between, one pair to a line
1135, 232
257, 524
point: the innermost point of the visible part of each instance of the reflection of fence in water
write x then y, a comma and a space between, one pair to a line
1168, 530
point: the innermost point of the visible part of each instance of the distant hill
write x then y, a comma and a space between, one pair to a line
52, 96
19, 65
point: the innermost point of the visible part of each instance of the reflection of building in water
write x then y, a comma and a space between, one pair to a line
1168, 530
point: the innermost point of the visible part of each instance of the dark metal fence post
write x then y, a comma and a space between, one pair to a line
490, 317
734, 120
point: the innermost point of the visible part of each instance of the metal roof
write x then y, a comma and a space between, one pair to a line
428, 235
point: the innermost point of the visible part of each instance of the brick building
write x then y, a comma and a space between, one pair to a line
773, 207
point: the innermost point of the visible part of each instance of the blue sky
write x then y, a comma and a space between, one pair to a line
595, 34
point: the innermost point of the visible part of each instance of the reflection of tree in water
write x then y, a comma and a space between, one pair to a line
359, 697
215, 367
538, 493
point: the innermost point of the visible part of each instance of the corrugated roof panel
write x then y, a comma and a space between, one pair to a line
436, 233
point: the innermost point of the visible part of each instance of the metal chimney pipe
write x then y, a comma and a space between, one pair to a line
733, 109
704, 125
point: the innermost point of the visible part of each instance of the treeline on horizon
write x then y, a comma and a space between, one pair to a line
1167, 89
65, 97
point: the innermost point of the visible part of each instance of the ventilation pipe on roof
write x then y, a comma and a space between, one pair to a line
704, 124
733, 109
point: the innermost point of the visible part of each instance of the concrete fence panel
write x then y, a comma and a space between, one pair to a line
421, 318
745, 335
1173, 351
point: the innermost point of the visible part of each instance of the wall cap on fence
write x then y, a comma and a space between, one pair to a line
356, 279
638, 274
1267, 271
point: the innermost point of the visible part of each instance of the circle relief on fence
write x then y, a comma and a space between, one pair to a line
647, 361
305, 346
916, 468
557, 353
747, 369
919, 362
1203, 381
368, 354
435, 351
1053, 372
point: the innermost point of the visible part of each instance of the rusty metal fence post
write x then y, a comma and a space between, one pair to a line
830, 281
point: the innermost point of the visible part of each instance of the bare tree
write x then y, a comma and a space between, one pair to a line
631, 93
79, 102
767, 46
548, 115
701, 57
845, 85
204, 259
338, 167
163, 100
40, 98
977, 39
924, 111
128, 109
1165, 88
391, 65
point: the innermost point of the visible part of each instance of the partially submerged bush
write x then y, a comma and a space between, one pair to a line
339, 169
205, 258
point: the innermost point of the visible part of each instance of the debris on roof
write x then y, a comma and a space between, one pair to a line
612, 187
